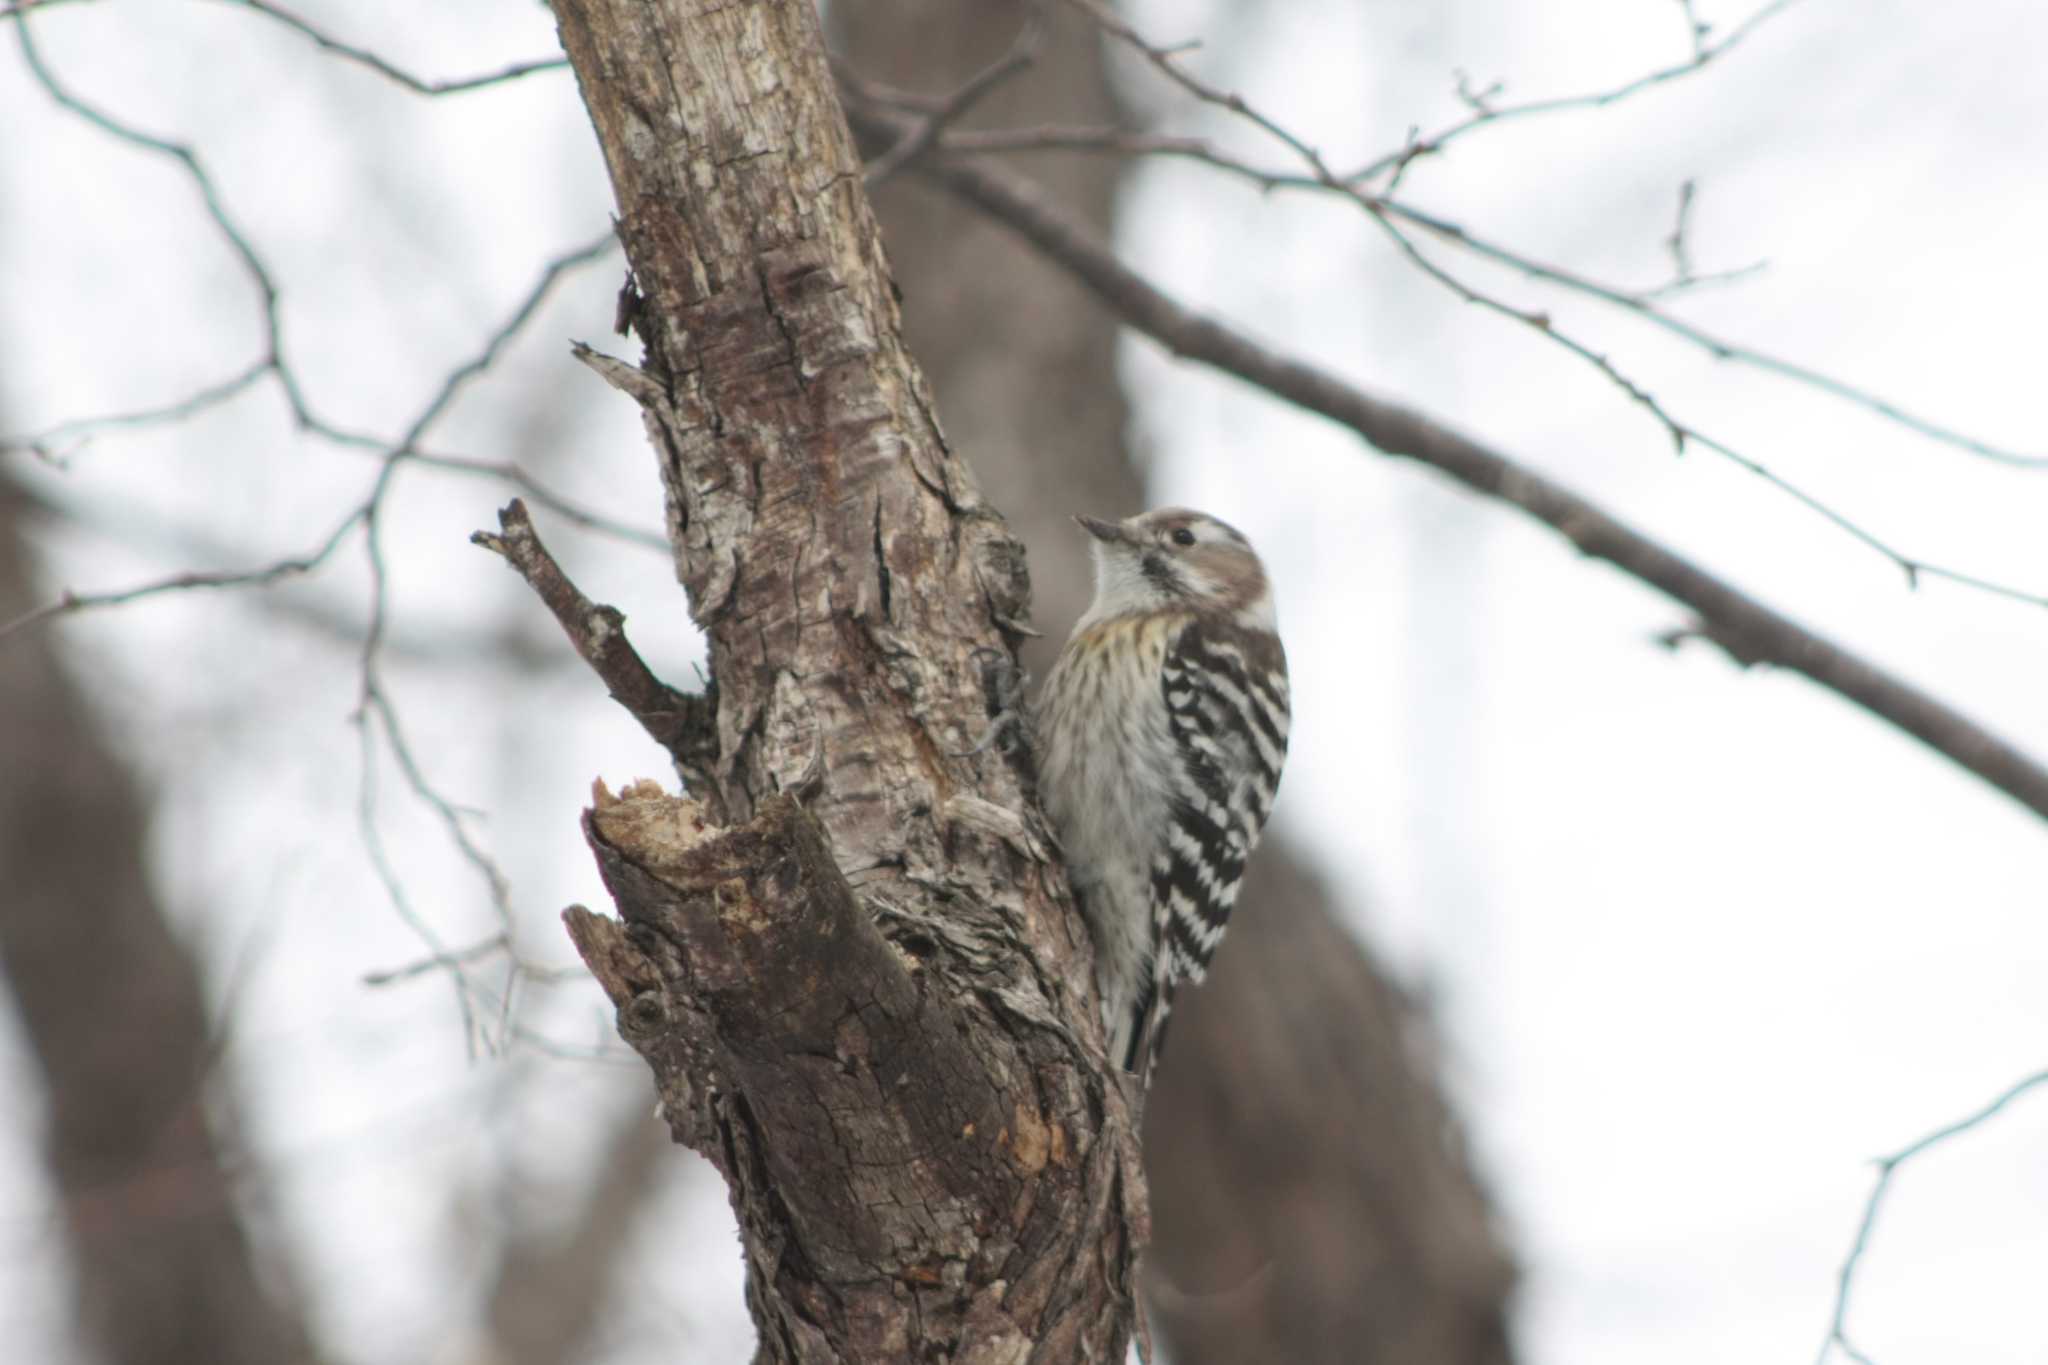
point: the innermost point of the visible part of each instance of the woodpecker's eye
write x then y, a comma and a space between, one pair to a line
1183, 536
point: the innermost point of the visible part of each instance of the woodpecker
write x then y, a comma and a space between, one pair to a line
1162, 730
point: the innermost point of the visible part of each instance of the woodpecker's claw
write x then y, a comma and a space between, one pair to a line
1003, 685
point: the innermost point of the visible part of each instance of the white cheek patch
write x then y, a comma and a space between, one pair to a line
1120, 586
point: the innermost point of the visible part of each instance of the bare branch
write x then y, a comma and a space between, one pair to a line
70, 602
1683, 434
1749, 631
1642, 303
1681, 257
680, 723
1379, 209
1126, 142
377, 709
238, 241
1887, 1167
442, 957
512, 473
453, 817
1166, 59
22, 9
364, 57
43, 443
1022, 52
1698, 30
1382, 213
475, 952
274, 360
551, 274
1485, 111
376, 704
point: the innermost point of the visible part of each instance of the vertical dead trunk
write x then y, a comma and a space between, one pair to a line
114, 1011
851, 961
1313, 1202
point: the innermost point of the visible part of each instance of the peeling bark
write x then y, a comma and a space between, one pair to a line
850, 958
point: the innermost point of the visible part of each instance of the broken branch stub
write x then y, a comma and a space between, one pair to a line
802, 1052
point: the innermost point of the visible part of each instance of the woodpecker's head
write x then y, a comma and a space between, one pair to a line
1173, 559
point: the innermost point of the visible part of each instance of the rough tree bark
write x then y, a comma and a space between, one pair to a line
1312, 1200
114, 1011
851, 960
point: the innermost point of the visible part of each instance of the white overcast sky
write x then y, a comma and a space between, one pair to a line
1704, 942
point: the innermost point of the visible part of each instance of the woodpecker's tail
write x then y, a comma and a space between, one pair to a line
1141, 1035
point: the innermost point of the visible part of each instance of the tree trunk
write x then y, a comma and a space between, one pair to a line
852, 960
1313, 1200
114, 1012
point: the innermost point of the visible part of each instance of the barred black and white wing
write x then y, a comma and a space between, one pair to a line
1227, 711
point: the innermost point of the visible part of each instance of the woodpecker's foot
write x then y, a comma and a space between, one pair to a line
1002, 684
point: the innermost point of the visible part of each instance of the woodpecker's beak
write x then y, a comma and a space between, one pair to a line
1108, 532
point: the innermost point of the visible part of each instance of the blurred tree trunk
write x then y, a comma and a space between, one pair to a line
1311, 1197
546, 1304
114, 1011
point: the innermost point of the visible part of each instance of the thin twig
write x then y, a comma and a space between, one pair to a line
1022, 52
1126, 142
516, 476
69, 601
237, 240
1643, 304
1683, 434
1485, 111
453, 818
43, 443
1681, 255
1383, 212
496, 943
551, 274
1378, 208
1167, 60
1699, 29
394, 886
364, 57
377, 710
23, 8
1887, 1167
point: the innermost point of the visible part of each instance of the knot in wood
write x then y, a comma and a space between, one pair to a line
644, 1015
